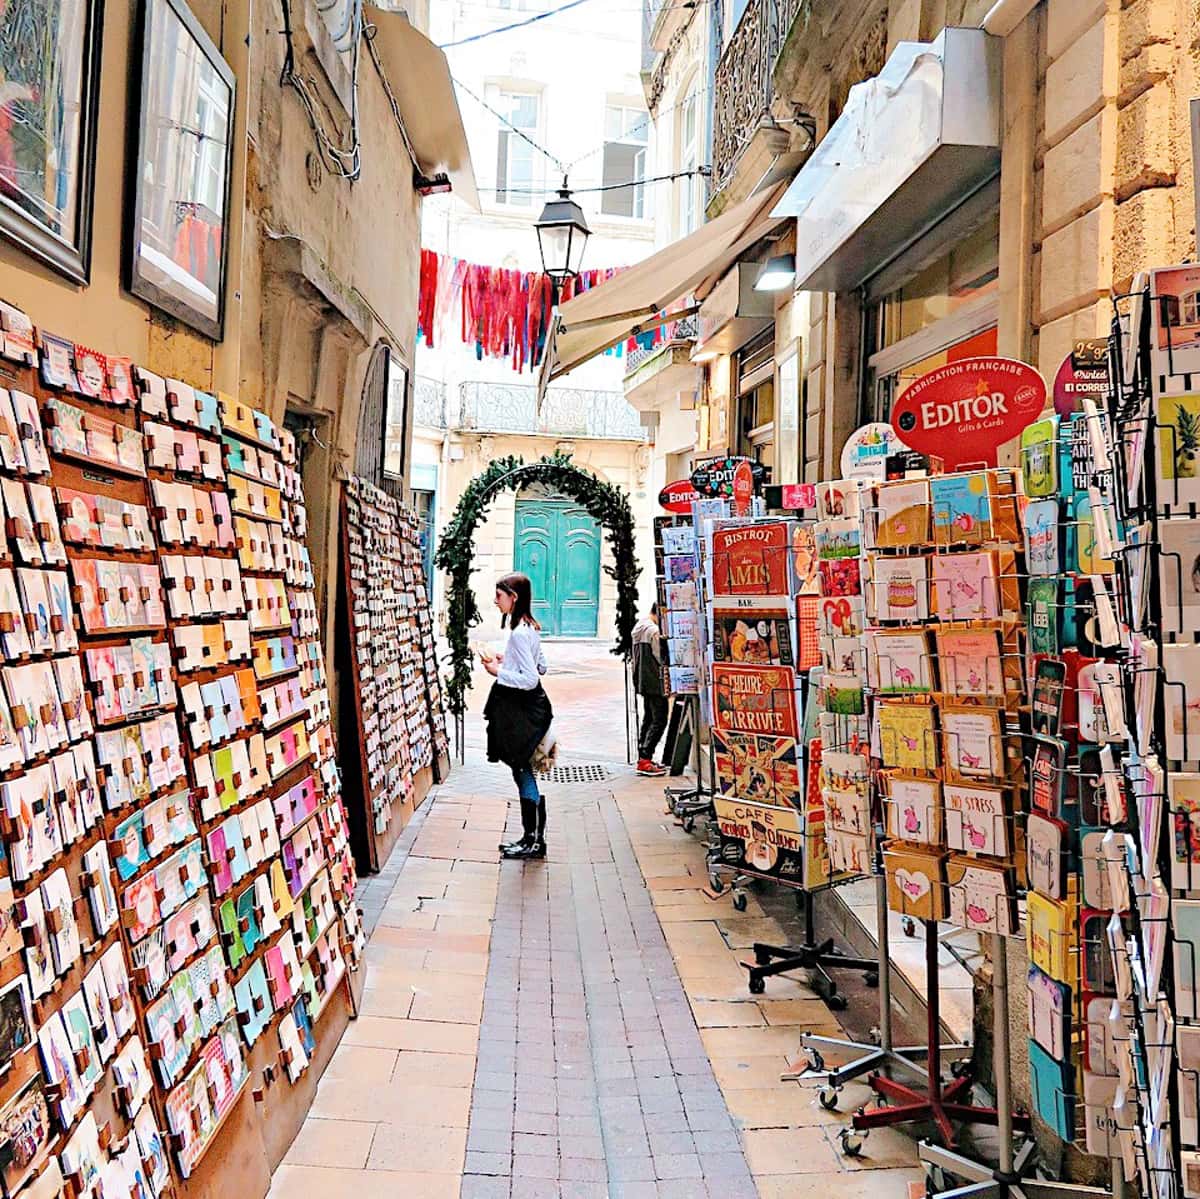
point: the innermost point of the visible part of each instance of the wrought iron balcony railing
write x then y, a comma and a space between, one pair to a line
567, 412
429, 403
687, 329
744, 88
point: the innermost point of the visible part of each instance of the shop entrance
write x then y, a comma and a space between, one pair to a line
557, 544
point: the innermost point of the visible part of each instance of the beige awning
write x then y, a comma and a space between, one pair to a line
419, 77
632, 301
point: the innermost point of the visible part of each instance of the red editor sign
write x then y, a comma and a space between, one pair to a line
678, 496
743, 489
964, 411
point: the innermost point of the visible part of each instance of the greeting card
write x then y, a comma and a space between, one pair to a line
901, 514
757, 699
962, 509
898, 589
26, 1128
762, 769
914, 810
908, 737
915, 883
1178, 479
977, 819
1043, 616
1050, 934
1050, 1009
970, 663
1047, 844
898, 663
973, 743
1039, 457
1181, 700
983, 895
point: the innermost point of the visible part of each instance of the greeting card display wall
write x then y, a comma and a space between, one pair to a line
157, 731
396, 698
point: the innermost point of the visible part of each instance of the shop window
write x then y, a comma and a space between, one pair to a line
425, 505
516, 169
688, 160
626, 133
969, 270
1189, 308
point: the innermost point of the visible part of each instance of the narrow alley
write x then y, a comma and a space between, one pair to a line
578, 1027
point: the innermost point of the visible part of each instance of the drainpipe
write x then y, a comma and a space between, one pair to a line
1005, 15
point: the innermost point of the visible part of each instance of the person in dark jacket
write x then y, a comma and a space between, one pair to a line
518, 711
648, 683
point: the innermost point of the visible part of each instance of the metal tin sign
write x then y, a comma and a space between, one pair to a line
743, 488
865, 454
964, 411
715, 477
678, 496
796, 496
1084, 372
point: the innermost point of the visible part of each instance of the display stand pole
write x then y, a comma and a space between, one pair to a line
871, 1056
1007, 1181
944, 1105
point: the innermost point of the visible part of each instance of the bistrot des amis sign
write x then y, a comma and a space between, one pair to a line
964, 411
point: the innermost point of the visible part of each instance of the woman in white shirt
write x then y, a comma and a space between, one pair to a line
518, 711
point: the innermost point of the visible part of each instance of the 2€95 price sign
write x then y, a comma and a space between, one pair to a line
964, 411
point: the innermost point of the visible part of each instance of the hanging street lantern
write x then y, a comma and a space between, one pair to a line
562, 235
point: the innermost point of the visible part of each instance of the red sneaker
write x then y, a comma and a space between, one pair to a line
648, 769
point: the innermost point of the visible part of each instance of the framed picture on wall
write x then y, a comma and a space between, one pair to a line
179, 220
49, 83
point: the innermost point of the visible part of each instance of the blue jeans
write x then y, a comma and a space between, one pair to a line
527, 787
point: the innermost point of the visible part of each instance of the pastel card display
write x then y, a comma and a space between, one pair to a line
899, 589
899, 663
966, 586
982, 895
977, 819
901, 514
915, 883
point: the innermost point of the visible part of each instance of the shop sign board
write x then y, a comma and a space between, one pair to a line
743, 488
1084, 372
773, 838
865, 454
964, 411
715, 477
678, 496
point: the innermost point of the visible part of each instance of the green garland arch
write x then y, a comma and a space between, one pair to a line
607, 504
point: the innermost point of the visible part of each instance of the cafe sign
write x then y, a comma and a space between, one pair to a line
964, 411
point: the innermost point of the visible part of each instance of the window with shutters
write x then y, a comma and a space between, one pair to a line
518, 171
626, 134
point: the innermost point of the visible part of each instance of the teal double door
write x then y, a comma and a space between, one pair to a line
557, 544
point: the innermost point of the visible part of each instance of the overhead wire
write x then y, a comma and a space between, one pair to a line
542, 16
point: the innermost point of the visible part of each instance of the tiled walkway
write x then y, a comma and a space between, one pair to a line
579, 1027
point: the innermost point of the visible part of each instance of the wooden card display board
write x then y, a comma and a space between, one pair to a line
398, 701
177, 912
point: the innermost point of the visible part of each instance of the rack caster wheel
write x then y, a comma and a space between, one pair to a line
875, 1037
716, 883
910, 926
828, 1099
961, 1068
852, 1146
689, 823
837, 1002
757, 985
739, 901
871, 978
935, 1180
816, 1063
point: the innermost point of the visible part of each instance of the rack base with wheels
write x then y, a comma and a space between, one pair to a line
945, 1105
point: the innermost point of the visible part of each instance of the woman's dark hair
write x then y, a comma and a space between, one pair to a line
519, 587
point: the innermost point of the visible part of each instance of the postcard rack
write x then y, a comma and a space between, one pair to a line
678, 580
179, 943
395, 703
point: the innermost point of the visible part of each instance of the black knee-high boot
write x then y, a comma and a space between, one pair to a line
535, 847
528, 826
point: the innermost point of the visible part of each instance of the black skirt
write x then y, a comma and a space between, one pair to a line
517, 720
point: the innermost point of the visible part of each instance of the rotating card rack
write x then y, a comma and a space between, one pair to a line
99, 657
678, 579
395, 701
760, 579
